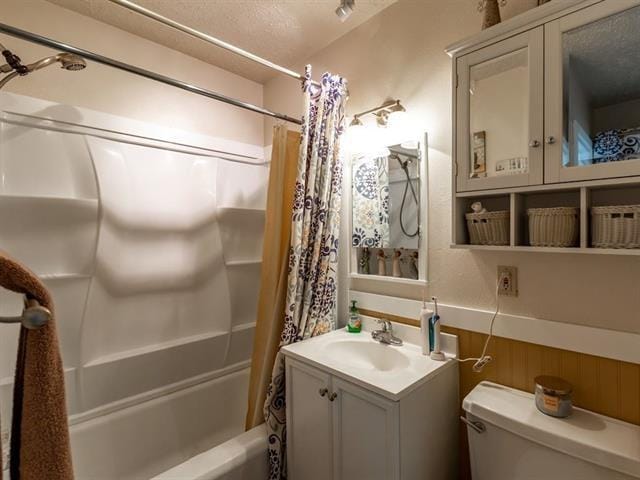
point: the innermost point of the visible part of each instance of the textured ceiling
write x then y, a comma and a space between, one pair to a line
605, 55
282, 31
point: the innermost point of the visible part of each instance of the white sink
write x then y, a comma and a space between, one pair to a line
367, 355
391, 371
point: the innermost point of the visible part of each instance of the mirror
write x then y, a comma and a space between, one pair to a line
601, 84
499, 116
386, 188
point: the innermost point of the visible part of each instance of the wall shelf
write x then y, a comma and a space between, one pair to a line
517, 201
71, 202
243, 210
387, 278
239, 263
611, 182
588, 250
64, 276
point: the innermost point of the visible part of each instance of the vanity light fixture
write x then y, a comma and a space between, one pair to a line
382, 118
356, 122
382, 112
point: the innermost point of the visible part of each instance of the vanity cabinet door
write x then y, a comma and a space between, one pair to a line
592, 93
309, 425
499, 114
366, 434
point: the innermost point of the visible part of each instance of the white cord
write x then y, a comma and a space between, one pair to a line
484, 358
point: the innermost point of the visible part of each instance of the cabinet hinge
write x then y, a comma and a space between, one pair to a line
456, 80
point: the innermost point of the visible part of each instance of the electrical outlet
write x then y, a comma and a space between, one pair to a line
508, 278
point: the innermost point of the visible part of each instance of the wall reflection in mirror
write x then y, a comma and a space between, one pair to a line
499, 115
601, 81
386, 210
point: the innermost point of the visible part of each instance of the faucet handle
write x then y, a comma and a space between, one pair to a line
386, 324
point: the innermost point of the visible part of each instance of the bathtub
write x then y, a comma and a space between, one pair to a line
244, 457
192, 433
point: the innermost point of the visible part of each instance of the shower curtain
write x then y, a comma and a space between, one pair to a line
370, 197
311, 300
275, 263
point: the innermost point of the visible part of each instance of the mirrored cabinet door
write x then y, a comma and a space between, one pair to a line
592, 70
499, 114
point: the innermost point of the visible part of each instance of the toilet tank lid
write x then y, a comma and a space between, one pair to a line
601, 440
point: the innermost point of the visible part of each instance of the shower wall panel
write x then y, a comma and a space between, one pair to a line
149, 240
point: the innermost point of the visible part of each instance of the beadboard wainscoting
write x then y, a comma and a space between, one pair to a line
604, 385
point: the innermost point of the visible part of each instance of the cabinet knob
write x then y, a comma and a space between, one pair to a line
534, 143
323, 391
551, 140
333, 396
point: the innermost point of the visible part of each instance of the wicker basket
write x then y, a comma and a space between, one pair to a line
489, 228
554, 227
615, 226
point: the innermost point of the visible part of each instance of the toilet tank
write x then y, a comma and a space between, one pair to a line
521, 443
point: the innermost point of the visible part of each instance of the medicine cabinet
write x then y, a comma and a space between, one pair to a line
547, 115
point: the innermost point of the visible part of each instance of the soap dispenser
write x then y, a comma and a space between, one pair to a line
354, 325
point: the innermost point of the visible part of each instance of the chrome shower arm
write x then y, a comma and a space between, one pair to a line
45, 62
8, 78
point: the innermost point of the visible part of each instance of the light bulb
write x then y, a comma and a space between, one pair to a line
397, 119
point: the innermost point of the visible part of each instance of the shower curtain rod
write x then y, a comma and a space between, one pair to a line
207, 38
48, 42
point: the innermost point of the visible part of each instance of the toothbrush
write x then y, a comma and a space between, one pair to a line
436, 354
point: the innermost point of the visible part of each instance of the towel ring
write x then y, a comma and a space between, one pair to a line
33, 316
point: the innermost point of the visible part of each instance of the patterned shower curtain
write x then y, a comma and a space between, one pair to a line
313, 254
370, 198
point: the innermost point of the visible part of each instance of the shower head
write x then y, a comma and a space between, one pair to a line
403, 164
68, 61
72, 62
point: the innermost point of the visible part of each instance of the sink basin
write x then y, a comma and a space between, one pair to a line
367, 355
388, 370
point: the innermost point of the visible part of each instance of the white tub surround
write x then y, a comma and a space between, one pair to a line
242, 458
360, 409
150, 241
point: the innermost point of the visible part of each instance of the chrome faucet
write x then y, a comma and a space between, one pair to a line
385, 335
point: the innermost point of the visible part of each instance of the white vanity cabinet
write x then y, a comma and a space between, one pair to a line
309, 422
364, 423
338, 429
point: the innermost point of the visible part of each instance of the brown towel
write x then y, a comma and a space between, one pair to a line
40, 447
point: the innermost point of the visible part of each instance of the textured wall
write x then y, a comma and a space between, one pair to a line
399, 53
109, 90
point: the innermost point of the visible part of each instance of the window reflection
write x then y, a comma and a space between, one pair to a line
602, 91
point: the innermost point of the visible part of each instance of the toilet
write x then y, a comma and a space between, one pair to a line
509, 439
